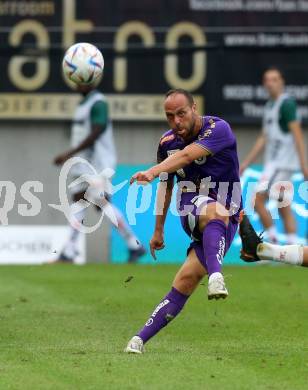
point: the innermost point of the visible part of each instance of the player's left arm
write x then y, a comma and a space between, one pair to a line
99, 121
289, 116
172, 163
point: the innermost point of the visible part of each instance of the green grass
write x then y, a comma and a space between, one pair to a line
65, 327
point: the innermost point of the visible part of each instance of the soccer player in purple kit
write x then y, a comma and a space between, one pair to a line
201, 152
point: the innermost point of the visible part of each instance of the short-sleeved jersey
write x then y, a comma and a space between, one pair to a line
280, 149
93, 110
220, 168
99, 113
287, 113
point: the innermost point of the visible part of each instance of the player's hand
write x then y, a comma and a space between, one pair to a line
243, 167
305, 173
156, 243
60, 160
142, 177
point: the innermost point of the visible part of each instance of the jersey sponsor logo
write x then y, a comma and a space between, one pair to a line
167, 138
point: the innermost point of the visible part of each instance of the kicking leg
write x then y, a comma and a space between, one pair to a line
136, 249
288, 254
70, 250
254, 249
185, 282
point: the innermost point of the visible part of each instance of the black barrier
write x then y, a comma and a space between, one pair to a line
217, 49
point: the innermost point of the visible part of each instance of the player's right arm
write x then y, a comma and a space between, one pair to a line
164, 195
254, 153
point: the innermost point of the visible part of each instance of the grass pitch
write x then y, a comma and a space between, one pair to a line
65, 327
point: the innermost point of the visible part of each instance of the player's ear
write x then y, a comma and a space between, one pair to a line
194, 107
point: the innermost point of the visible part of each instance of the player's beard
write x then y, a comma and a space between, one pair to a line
190, 132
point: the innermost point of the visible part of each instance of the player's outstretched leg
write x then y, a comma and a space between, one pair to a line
254, 249
288, 254
166, 310
70, 250
185, 282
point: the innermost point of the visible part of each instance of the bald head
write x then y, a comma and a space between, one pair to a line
183, 92
181, 113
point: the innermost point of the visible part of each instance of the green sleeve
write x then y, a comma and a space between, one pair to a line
99, 113
288, 113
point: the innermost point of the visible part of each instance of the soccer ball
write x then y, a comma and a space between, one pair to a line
83, 64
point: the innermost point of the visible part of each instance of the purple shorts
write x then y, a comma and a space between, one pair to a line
190, 225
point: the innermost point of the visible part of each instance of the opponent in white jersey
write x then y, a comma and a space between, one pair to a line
93, 110
92, 140
284, 153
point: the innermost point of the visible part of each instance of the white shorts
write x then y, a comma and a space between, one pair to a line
90, 175
98, 186
276, 182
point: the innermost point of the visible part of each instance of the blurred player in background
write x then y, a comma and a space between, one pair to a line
92, 140
195, 150
254, 249
283, 141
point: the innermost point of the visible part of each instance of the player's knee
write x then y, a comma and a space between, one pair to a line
217, 212
222, 217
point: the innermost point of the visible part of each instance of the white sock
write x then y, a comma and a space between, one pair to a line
272, 233
289, 254
70, 248
125, 231
292, 238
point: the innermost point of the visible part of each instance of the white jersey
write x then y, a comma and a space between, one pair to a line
103, 153
280, 149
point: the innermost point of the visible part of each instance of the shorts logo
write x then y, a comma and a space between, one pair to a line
149, 322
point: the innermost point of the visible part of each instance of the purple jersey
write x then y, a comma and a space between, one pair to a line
216, 175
